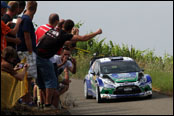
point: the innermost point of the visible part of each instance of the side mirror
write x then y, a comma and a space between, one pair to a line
98, 74
142, 69
93, 73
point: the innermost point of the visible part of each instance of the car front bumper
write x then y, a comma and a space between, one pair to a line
114, 96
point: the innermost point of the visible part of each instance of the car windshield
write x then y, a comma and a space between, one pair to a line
119, 67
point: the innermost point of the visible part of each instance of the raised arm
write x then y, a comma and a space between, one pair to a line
86, 37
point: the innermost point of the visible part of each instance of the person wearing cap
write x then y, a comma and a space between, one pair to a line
8, 17
12, 11
4, 7
5, 29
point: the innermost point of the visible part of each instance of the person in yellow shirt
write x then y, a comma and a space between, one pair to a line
9, 55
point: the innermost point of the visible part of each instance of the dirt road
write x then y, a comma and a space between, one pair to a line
158, 105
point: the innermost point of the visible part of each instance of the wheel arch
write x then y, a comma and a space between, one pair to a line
148, 77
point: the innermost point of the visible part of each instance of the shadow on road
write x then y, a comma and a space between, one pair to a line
132, 99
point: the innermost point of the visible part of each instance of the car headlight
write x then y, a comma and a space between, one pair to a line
141, 78
107, 81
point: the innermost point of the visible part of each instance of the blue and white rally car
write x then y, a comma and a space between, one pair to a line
116, 77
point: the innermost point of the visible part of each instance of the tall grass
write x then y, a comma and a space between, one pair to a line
82, 65
162, 81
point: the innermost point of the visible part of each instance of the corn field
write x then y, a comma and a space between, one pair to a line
146, 58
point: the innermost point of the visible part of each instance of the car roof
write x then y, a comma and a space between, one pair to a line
103, 59
110, 59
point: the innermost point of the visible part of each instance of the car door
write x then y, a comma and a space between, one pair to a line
95, 75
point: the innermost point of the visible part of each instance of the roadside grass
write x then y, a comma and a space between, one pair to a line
82, 66
162, 81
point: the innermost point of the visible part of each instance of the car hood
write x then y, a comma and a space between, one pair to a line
124, 77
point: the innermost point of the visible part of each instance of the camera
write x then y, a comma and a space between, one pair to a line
21, 65
13, 24
14, 20
69, 58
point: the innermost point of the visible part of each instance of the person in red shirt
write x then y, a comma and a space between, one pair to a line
53, 21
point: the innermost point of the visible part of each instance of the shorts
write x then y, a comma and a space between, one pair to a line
31, 60
46, 74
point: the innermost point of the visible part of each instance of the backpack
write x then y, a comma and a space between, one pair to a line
47, 44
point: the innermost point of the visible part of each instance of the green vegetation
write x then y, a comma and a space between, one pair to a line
162, 81
160, 69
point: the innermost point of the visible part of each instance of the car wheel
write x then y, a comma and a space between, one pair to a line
98, 97
86, 91
149, 96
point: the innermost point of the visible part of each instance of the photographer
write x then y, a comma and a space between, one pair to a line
63, 63
9, 56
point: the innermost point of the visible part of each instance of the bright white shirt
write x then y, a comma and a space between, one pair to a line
57, 59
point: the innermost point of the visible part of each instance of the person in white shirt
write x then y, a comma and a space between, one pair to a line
63, 63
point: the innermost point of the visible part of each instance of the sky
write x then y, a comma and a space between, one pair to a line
142, 24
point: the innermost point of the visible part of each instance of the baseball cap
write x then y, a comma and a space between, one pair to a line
4, 5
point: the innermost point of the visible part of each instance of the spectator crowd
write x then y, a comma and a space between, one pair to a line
47, 51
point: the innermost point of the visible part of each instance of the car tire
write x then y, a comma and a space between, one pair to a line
149, 96
98, 97
86, 91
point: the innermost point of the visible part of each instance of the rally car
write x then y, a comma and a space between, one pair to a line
116, 77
